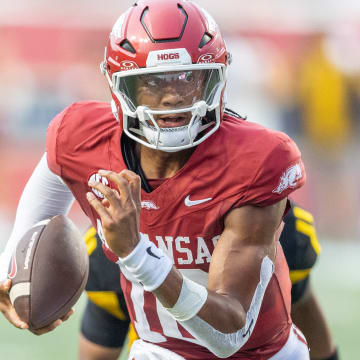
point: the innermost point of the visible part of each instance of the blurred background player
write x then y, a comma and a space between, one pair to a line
301, 248
105, 321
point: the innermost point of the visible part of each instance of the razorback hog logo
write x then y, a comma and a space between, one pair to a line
128, 65
149, 205
12, 268
289, 179
171, 56
98, 178
206, 59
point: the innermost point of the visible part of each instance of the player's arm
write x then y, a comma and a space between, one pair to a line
247, 239
45, 195
240, 270
223, 316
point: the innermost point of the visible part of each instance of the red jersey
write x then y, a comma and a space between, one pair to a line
242, 163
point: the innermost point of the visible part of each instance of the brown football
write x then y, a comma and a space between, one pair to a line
49, 271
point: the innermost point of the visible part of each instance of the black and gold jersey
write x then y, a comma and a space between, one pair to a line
105, 320
103, 286
301, 247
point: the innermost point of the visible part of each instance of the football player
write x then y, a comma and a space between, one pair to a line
105, 320
188, 198
301, 248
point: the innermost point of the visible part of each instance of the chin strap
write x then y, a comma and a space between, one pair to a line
131, 161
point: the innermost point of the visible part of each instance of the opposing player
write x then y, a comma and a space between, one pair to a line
105, 322
301, 248
188, 199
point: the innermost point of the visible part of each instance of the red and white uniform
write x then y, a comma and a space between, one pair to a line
241, 164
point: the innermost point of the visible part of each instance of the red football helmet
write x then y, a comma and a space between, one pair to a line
162, 47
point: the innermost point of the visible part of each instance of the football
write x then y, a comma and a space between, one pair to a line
49, 271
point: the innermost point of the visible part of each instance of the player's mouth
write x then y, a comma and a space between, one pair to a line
170, 121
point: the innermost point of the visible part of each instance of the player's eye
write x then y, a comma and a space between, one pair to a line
186, 76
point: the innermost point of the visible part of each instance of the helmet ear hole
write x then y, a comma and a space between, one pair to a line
126, 45
205, 40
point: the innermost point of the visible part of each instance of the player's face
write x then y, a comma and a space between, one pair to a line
169, 91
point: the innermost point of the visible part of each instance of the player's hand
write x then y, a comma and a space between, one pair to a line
53, 325
119, 210
11, 315
7, 308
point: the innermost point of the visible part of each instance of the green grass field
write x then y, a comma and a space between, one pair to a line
336, 278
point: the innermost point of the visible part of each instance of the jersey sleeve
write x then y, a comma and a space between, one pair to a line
280, 173
52, 141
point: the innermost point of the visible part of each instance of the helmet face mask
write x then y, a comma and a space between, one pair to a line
162, 93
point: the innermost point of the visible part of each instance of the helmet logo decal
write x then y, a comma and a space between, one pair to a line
128, 65
172, 56
206, 59
168, 57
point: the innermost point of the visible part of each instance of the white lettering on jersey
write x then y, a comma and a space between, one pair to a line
189, 258
195, 255
168, 323
202, 252
141, 324
168, 248
198, 254
169, 326
149, 314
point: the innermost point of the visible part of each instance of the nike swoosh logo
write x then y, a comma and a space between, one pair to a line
190, 203
149, 251
249, 328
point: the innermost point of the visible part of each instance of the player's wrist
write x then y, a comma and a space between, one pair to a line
147, 263
124, 252
191, 299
